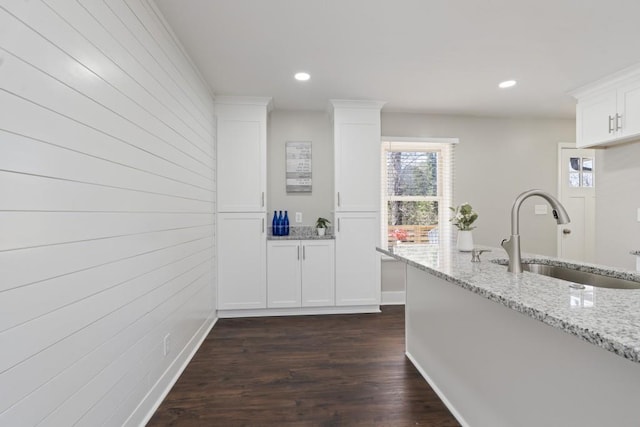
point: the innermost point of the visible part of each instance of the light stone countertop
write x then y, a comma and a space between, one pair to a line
608, 318
302, 233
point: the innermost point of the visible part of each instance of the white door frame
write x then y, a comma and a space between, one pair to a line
561, 146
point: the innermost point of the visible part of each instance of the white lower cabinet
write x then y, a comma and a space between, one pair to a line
318, 273
300, 273
283, 274
242, 261
357, 262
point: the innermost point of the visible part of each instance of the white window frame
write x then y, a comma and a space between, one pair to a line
444, 146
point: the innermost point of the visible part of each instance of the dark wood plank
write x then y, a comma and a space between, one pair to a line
339, 370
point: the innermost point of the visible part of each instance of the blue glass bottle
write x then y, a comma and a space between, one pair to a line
279, 223
274, 223
285, 224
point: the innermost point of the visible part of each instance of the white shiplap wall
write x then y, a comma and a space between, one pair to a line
107, 154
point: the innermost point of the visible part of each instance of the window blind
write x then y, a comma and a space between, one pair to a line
416, 191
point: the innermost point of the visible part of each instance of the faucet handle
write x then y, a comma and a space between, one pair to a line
475, 254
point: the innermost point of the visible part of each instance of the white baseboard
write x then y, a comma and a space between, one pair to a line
299, 311
393, 298
441, 395
145, 410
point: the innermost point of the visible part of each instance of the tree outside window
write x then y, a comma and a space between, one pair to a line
415, 175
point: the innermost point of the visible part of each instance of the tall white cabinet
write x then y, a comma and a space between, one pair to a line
241, 202
357, 202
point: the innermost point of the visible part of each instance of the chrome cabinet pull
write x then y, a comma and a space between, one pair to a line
298, 252
338, 199
338, 225
262, 200
262, 225
304, 252
618, 122
610, 124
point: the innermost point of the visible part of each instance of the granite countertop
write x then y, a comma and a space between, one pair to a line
608, 318
292, 237
302, 233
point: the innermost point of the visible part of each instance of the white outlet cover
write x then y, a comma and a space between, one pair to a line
540, 209
638, 215
298, 217
166, 348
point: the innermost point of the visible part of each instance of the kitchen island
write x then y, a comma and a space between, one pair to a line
521, 350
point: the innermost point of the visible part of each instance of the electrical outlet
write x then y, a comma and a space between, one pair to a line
166, 344
540, 209
298, 217
638, 215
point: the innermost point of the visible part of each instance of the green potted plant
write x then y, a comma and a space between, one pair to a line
322, 225
463, 217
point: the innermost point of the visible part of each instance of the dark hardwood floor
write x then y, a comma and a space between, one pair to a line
338, 370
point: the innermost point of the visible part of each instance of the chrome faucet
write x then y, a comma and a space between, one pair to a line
512, 246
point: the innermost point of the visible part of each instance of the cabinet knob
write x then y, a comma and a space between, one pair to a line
566, 231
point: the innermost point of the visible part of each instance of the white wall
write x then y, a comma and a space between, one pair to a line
106, 201
496, 160
311, 126
617, 202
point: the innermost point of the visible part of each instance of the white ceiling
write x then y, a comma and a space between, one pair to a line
433, 56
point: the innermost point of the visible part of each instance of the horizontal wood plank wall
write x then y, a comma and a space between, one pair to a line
107, 194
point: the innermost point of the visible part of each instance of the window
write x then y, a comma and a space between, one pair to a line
416, 191
580, 172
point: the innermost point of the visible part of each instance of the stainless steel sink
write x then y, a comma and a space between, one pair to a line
580, 277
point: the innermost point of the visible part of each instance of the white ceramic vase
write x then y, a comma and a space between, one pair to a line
465, 240
321, 231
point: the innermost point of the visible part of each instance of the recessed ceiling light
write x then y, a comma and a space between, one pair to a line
302, 76
507, 83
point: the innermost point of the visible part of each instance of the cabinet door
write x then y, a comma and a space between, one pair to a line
629, 109
592, 119
357, 262
242, 261
318, 274
283, 273
357, 160
241, 158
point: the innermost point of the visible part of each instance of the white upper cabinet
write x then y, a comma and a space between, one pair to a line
595, 117
242, 153
357, 155
608, 111
629, 108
